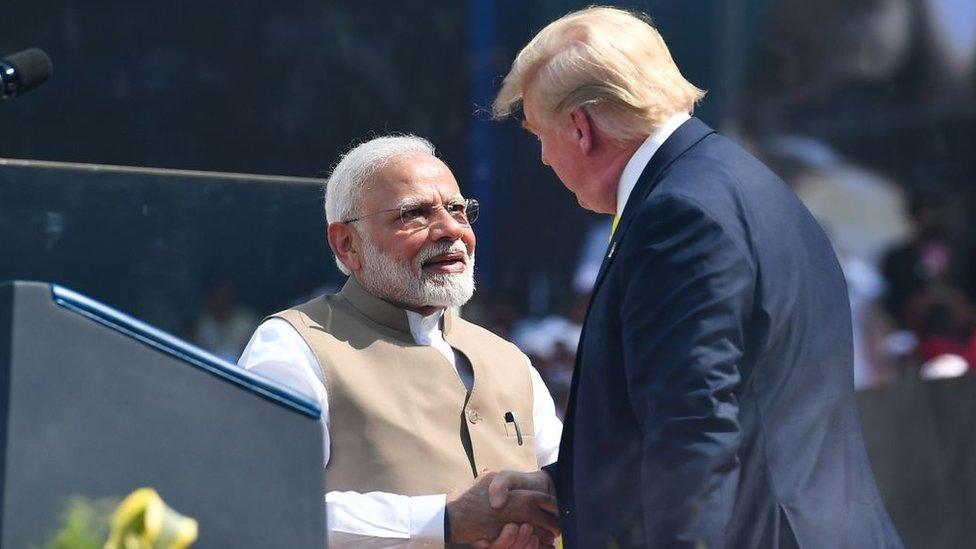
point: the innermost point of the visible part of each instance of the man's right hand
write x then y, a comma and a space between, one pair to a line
505, 482
474, 518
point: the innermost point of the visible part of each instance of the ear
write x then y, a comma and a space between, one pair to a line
583, 126
344, 242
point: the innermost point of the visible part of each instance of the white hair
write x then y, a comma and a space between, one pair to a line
345, 185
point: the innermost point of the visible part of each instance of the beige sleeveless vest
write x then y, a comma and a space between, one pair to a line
399, 419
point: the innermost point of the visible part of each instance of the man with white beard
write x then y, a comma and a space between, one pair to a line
411, 441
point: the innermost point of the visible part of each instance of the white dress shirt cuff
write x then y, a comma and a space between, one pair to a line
427, 518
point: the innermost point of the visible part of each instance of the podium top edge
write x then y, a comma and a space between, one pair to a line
167, 172
182, 350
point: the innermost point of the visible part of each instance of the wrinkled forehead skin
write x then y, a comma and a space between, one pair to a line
414, 178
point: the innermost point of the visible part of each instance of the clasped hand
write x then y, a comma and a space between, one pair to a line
505, 510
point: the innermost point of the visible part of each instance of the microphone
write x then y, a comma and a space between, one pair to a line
23, 71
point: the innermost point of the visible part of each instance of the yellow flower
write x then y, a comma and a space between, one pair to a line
144, 521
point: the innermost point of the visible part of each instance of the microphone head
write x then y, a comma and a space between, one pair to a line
32, 67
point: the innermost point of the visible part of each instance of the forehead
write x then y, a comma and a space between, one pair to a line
411, 176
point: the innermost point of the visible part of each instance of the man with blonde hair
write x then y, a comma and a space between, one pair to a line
712, 402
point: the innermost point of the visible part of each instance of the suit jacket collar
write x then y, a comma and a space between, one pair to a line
383, 312
638, 161
683, 138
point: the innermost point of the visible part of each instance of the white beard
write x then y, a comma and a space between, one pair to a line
387, 278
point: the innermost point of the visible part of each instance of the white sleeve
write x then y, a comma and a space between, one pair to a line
278, 352
548, 427
354, 516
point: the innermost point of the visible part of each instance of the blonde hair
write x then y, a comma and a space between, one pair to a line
609, 61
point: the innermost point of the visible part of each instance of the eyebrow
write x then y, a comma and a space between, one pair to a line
411, 202
414, 201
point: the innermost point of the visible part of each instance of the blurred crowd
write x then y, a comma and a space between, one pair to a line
873, 128
928, 295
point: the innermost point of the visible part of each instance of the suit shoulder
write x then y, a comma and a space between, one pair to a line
717, 164
725, 181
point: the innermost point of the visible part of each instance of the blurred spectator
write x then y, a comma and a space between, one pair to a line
926, 261
945, 323
930, 289
224, 325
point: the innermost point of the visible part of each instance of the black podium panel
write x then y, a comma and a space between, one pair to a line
97, 404
921, 438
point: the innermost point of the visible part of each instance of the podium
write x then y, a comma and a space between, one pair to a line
919, 436
96, 403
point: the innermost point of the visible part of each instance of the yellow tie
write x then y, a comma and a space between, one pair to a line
613, 228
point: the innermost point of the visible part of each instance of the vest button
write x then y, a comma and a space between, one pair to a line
473, 416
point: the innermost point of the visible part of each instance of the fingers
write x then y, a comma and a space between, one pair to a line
531, 541
524, 537
534, 507
545, 536
504, 482
506, 539
546, 521
547, 503
499, 488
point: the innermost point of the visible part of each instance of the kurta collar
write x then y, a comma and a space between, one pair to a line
383, 312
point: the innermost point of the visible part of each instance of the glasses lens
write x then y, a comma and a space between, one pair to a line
415, 217
419, 217
470, 210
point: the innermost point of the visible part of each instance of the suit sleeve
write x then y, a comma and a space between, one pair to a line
687, 288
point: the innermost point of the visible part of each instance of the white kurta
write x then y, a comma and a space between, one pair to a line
381, 519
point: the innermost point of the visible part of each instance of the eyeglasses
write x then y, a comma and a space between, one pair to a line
419, 216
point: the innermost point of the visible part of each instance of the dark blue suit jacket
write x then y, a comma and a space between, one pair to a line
712, 403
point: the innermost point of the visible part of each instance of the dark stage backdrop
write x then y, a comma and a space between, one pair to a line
242, 86
283, 88
158, 244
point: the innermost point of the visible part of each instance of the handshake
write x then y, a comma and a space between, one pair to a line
505, 510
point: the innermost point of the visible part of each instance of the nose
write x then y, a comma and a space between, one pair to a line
443, 225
